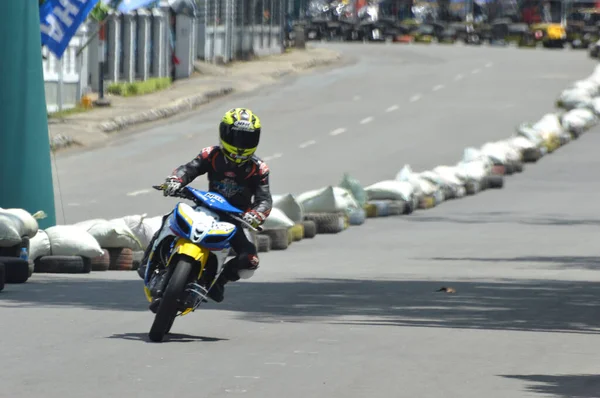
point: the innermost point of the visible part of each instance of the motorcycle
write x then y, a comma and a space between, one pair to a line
188, 256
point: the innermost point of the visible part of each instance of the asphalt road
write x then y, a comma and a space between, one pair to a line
356, 314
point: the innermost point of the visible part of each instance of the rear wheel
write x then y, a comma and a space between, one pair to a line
165, 316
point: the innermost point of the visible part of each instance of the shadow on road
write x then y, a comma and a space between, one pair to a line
536, 305
584, 262
501, 217
171, 337
563, 386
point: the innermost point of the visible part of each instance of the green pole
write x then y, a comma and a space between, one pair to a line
25, 168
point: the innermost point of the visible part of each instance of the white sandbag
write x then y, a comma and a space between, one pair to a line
448, 174
406, 174
574, 98
277, 219
354, 186
327, 200
140, 229
579, 119
289, 206
39, 245
589, 86
520, 143
70, 240
473, 171
390, 190
533, 135
29, 224
111, 234
595, 106
496, 152
154, 223
11, 229
427, 186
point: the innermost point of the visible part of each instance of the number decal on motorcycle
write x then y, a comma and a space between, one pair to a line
213, 197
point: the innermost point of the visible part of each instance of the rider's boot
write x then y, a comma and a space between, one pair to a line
217, 291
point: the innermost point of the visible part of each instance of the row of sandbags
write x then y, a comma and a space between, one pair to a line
332, 209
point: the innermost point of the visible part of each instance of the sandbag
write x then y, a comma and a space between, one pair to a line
277, 219
406, 174
39, 245
140, 229
11, 229
29, 224
574, 98
111, 234
390, 190
448, 174
589, 86
475, 170
548, 125
154, 223
533, 135
327, 200
70, 240
290, 206
353, 185
498, 153
578, 119
427, 186
520, 143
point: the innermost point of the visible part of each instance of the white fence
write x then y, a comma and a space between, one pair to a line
141, 45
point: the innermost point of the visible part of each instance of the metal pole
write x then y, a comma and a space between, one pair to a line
59, 97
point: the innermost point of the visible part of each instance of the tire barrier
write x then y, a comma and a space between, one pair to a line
118, 245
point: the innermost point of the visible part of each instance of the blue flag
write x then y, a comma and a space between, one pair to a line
130, 5
59, 21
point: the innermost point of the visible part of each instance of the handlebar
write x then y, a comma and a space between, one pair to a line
184, 194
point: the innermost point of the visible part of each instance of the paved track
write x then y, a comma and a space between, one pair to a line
356, 314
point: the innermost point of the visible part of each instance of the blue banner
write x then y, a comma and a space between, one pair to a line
59, 21
130, 5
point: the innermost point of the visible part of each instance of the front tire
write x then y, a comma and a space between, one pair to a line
165, 316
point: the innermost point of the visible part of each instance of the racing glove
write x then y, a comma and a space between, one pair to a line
173, 185
254, 218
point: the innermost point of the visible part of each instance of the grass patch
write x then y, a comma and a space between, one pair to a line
67, 112
139, 88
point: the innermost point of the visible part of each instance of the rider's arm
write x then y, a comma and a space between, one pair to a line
263, 202
196, 167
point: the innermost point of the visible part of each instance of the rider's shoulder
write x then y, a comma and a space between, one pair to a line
208, 151
263, 168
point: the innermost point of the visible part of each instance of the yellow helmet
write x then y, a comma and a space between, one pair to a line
239, 133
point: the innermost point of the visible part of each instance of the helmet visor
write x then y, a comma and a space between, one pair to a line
241, 139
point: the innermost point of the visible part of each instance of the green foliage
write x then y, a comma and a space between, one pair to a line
139, 88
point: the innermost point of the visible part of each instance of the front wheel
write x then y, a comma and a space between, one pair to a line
168, 305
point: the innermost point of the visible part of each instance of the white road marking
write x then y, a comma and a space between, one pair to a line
276, 156
474, 71
275, 363
392, 108
237, 390
247, 377
305, 352
140, 192
189, 136
366, 120
458, 77
338, 131
415, 98
438, 87
307, 144
327, 341
356, 97
489, 65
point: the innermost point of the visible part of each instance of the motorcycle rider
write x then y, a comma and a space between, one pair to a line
241, 177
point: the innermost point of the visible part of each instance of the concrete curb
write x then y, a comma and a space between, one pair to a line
179, 106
